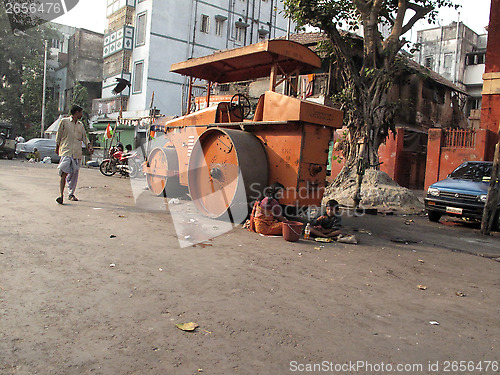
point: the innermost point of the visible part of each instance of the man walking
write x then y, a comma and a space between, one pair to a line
70, 136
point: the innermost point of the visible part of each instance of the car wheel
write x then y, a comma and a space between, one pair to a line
10, 156
434, 216
2, 140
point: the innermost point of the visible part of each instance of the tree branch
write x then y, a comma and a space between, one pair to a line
420, 13
362, 6
391, 42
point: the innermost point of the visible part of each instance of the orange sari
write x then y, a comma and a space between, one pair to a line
263, 221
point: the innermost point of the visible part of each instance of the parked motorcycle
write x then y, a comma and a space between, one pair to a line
127, 164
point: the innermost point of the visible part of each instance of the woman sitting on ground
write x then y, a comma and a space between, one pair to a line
267, 214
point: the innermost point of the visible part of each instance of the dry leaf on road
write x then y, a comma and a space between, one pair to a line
187, 326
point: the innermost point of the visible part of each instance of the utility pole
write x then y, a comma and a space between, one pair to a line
491, 205
44, 88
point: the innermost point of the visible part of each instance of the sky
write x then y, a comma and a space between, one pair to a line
87, 14
91, 15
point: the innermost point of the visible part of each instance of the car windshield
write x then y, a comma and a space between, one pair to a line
472, 171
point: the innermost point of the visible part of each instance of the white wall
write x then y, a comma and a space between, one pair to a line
138, 100
176, 36
474, 74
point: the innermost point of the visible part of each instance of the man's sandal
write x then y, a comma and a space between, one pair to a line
59, 200
73, 198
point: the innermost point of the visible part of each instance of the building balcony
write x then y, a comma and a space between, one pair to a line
116, 41
101, 108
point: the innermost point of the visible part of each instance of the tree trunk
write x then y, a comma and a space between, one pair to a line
364, 138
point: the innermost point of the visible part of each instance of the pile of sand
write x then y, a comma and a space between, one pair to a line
377, 191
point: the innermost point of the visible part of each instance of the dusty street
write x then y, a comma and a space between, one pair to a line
263, 305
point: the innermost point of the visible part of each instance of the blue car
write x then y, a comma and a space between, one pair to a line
462, 194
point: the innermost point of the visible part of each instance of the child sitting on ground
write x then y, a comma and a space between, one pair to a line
328, 225
35, 155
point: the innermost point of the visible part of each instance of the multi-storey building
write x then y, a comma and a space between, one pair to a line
73, 56
458, 54
144, 37
84, 65
57, 61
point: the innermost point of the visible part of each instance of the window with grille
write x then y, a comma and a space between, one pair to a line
141, 30
205, 23
428, 62
475, 59
219, 27
138, 76
240, 33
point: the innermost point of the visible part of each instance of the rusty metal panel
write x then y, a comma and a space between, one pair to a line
278, 107
282, 144
250, 62
316, 142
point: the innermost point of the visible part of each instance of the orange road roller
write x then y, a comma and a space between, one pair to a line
220, 155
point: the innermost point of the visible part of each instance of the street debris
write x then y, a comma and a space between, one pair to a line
403, 240
112, 265
363, 231
460, 294
351, 239
202, 244
322, 239
112, 236
421, 287
191, 326
434, 323
174, 201
409, 221
421, 261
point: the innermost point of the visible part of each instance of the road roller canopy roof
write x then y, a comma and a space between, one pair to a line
250, 62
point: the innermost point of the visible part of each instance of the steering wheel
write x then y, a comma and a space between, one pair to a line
241, 103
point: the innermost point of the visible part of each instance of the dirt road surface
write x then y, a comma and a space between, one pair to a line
263, 305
